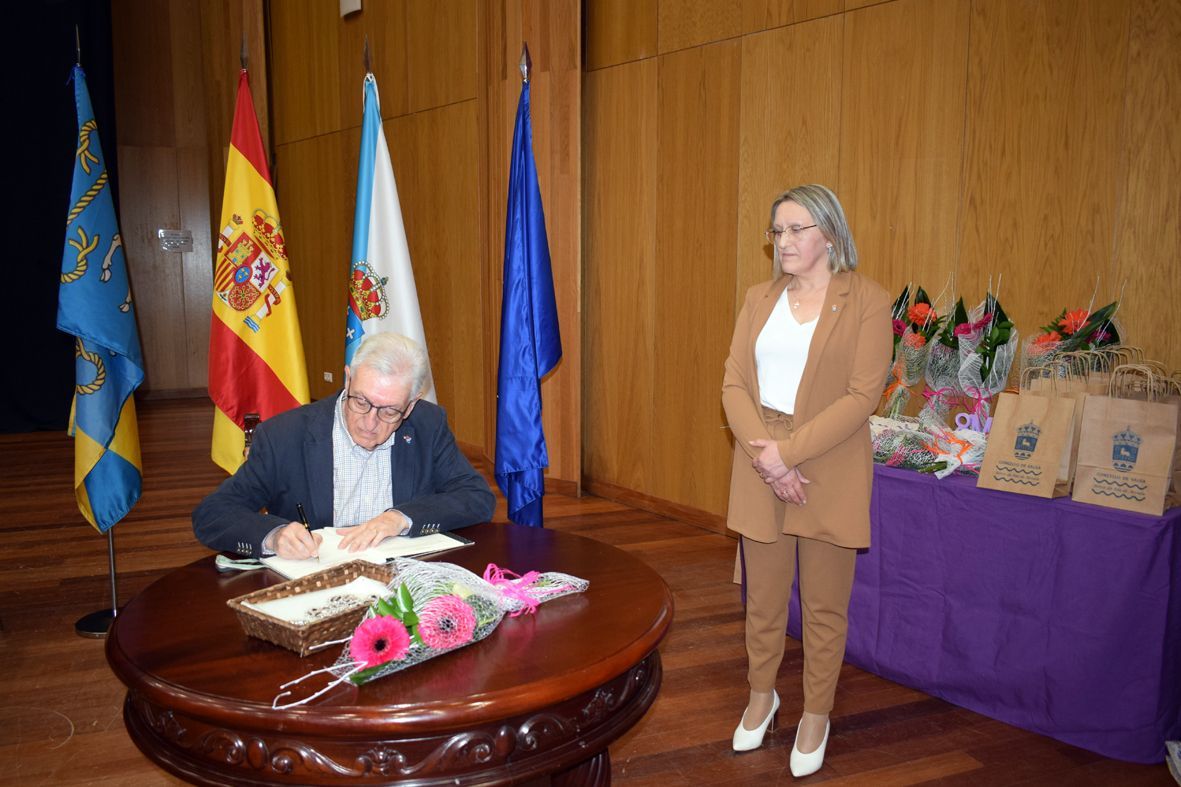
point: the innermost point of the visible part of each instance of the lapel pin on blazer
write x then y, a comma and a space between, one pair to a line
407, 438
834, 307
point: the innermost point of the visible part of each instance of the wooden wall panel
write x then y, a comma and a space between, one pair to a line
440, 52
164, 154
196, 267
435, 164
384, 25
620, 199
307, 80
619, 31
1148, 230
144, 97
902, 127
223, 25
767, 14
157, 284
697, 186
779, 145
1045, 109
317, 198
688, 23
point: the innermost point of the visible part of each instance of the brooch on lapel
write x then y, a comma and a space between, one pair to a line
408, 439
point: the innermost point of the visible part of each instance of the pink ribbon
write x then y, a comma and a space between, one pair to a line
513, 586
944, 393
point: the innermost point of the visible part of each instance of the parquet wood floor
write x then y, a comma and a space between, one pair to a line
61, 708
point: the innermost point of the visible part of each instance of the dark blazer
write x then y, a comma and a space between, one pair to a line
842, 383
290, 462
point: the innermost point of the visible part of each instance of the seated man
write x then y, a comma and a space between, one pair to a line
374, 459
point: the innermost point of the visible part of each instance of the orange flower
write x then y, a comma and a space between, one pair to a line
920, 313
914, 340
1047, 338
1073, 321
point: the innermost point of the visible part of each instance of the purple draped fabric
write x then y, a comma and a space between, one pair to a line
1054, 616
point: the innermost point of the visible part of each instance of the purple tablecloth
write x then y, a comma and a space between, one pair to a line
1054, 616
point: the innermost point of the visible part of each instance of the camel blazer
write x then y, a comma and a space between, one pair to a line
829, 443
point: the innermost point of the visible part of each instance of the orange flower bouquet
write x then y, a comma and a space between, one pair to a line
921, 324
1071, 330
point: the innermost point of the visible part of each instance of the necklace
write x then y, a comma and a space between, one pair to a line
795, 304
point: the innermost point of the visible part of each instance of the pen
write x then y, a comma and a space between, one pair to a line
303, 519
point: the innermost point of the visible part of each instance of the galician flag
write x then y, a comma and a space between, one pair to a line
530, 344
381, 291
94, 304
256, 362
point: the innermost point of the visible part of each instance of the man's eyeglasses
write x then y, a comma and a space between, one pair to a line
386, 412
793, 232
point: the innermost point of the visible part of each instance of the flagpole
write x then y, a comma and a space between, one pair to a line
96, 624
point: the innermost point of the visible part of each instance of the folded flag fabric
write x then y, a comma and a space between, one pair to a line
256, 361
94, 305
381, 292
530, 343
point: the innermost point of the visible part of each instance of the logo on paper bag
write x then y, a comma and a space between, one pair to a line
1125, 447
1026, 442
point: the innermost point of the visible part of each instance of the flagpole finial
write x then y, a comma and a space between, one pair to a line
526, 63
78, 45
365, 55
244, 54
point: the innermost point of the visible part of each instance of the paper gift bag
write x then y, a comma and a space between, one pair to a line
1031, 446
1126, 453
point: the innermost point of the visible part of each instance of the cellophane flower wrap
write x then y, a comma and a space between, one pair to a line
986, 353
942, 372
926, 447
443, 607
910, 361
432, 608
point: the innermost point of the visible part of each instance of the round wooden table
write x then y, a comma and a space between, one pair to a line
540, 698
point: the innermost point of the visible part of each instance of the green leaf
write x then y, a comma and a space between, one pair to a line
960, 314
921, 296
384, 607
898, 310
405, 600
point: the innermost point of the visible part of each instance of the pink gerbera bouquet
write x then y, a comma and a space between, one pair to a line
433, 608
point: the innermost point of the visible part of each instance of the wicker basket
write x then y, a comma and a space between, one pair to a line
304, 639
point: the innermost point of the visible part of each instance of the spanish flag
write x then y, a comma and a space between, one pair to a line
94, 305
256, 362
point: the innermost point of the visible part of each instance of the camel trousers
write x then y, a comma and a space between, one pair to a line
826, 581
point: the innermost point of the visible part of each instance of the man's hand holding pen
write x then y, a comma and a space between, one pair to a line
296, 541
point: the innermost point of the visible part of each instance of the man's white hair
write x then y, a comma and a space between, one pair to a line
393, 355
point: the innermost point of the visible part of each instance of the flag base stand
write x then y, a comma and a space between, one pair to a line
95, 625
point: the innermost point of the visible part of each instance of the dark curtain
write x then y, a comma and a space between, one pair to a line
41, 128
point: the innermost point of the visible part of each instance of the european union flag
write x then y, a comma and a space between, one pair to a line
94, 304
530, 345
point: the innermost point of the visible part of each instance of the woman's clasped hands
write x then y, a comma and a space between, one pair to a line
786, 482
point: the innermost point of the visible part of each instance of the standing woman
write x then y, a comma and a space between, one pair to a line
810, 350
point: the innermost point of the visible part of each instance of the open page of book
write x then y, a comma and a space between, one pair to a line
331, 554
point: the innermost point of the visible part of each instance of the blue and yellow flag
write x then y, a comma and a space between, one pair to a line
530, 343
94, 304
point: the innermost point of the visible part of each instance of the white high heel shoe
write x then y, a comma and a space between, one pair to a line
745, 740
806, 764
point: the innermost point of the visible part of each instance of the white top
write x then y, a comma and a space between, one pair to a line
780, 354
